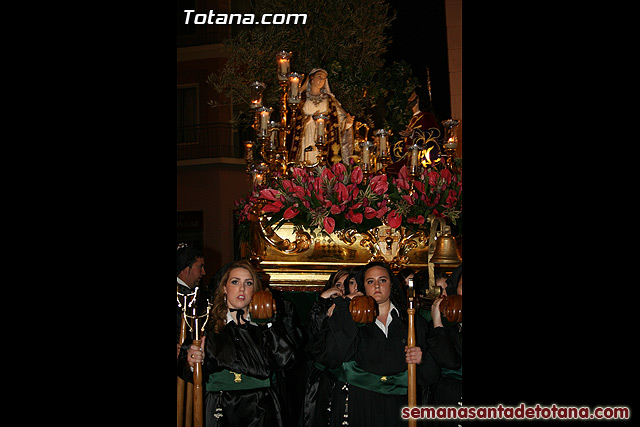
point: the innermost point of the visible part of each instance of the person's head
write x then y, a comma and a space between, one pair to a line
237, 286
381, 284
190, 265
318, 79
353, 281
454, 281
239, 283
441, 280
338, 279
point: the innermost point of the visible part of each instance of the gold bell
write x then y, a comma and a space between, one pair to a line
446, 251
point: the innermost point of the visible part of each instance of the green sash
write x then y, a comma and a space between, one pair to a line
385, 384
227, 380
453, 373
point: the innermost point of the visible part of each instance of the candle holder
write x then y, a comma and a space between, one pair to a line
295, 87
271, 144
263, 114
194, 311
282, 59
321, 138
414, 158
256, 88
365, 156
450, 142
383, 157
248, 155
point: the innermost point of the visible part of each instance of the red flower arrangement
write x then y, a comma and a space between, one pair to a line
336, 198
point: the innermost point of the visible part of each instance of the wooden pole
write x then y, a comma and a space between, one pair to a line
183, 335
197, 376
411, 342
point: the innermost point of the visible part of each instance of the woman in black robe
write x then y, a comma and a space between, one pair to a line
370, 360
445, 345
240, 356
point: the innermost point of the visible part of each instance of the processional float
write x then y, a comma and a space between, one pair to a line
293, 258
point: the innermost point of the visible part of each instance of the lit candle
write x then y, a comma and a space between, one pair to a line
365, 154
263, 125
414, 158
320, 126
294, 85
283, 64
256, 93
451, 143
383, 146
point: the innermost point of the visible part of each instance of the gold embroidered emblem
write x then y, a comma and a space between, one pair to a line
238, 377
383, 378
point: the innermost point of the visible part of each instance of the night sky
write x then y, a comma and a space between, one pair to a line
419, 37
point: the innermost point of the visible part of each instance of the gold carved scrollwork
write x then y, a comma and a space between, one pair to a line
301, 244
348, 236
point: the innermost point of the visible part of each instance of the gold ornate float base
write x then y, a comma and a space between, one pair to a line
299, 260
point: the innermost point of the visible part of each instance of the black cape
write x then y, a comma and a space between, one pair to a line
342, 340
254, 350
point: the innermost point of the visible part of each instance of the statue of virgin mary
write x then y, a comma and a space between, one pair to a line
318, 99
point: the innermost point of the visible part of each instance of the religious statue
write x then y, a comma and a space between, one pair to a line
423, 125
318, 99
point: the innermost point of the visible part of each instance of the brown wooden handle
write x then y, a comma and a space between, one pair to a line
262, 305
363, 309
197, 391
451, 308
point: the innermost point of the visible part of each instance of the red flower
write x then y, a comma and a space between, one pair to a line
299, 191
394, 220
269, 194
379, 184
356, 175
339, 170
329, 224
369, 212
354, 217
408, 199
342, 192
404, 173
433, 178
380, 212
288, 185
326, 173
290, 213
273, 207
416, 220
452, 198
299, 173
446, 175
335, 209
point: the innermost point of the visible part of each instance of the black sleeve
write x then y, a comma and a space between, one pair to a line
336, 341
427, 371
279, 345
443, 349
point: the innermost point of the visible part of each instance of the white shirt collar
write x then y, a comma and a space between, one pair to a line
384, 327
